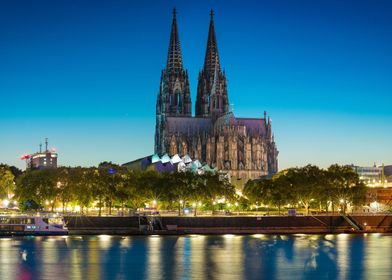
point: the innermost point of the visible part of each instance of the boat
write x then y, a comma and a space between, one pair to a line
32, 225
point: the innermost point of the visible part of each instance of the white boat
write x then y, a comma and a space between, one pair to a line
32, 225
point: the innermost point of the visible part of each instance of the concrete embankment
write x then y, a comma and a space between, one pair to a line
226, 225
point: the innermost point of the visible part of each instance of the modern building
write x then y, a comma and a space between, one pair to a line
374, 176
366, 173
169, 164
388, 170
379, 199
42, 159
215, 136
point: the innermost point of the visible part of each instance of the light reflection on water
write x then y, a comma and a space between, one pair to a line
256, 256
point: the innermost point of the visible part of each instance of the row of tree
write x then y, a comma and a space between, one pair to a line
308, 187
110, 186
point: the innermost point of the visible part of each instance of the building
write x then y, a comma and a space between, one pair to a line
169, 164
243, 146
366, 173
374, 176
379, 199
388, 170
42, 159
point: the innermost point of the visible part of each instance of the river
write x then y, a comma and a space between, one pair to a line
298, 256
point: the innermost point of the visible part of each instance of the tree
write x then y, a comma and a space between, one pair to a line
14, 170
134, 192
180, 189
38, 186
305, 184
6, 181
65, 185
347, 188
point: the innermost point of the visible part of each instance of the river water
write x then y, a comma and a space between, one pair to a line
342, 256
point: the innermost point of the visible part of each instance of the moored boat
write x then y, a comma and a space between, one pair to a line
32, 225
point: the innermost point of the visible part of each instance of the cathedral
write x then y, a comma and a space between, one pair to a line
243, 146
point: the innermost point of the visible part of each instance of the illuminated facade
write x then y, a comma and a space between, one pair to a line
42, 159
215, 136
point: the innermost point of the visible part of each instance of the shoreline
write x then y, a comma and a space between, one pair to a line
174, 225
220, 225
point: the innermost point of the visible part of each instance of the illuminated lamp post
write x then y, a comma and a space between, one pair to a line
112, 172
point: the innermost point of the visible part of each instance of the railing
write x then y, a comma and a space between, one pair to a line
352, 222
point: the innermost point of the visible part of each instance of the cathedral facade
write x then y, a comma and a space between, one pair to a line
243, 146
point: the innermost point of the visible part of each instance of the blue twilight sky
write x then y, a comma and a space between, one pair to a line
86, 74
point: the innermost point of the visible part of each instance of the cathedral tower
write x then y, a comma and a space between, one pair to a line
212, 100
174, 99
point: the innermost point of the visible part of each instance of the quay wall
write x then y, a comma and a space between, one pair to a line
232, 224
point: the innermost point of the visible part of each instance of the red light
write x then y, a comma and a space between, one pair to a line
25, 156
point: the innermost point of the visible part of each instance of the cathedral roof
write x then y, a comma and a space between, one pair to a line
253, 126
185, 125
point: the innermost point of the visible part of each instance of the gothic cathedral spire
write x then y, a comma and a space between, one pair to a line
211, 60
212, 100
174, 98
174, 57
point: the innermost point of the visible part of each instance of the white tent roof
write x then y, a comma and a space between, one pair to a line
155, 158
186, 159
197, 163
175, 159
165, 158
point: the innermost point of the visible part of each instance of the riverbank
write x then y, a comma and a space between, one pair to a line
85, 225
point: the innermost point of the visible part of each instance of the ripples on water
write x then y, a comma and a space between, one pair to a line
258, 256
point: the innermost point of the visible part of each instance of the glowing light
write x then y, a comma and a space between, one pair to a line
236, 204
375, 205
104, 237
25, 156
6, 203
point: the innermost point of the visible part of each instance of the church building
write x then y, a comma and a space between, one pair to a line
243, 146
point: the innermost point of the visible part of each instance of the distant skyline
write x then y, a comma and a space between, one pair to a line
86, 75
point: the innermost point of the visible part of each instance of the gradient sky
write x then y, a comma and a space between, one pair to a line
86, 75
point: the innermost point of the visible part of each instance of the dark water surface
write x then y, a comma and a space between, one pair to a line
343, 256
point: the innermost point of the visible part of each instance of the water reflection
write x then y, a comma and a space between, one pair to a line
198, 257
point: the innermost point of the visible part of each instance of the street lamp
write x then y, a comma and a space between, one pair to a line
111, 171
